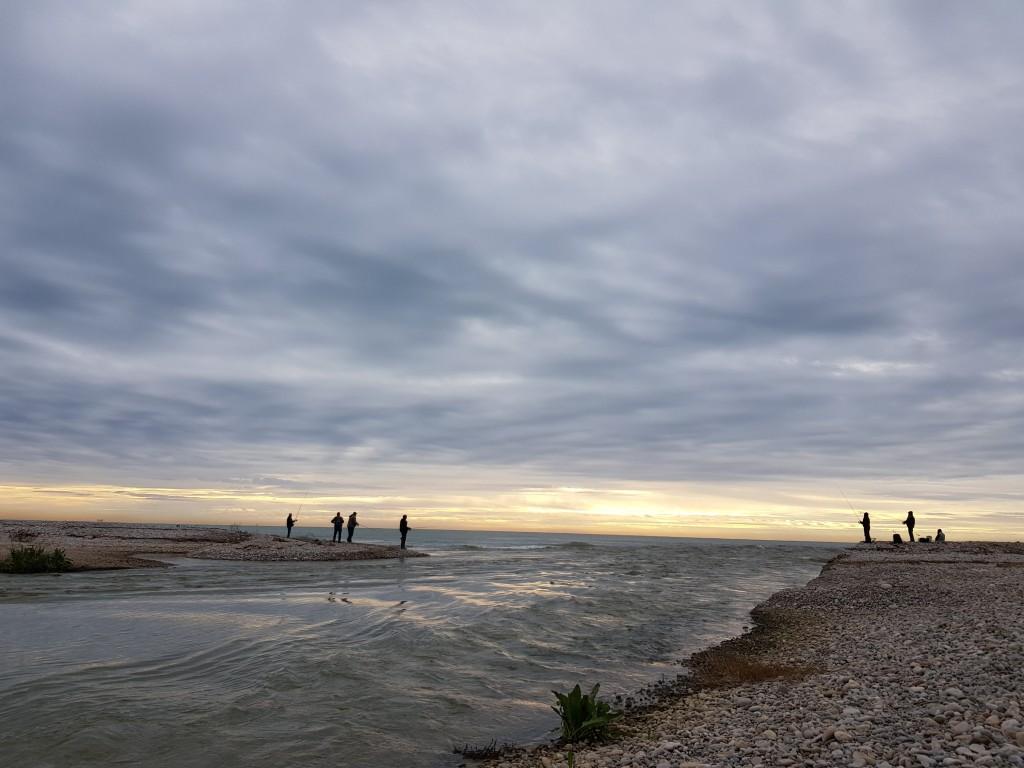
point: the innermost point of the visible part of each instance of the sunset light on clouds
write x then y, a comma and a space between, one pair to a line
717, 269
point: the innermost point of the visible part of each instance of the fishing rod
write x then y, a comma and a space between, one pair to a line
847, 500
866, 522
302, 503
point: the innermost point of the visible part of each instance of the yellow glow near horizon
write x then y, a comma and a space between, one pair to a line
755, 511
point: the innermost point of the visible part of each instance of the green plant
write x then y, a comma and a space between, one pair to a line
584, 716
35, 560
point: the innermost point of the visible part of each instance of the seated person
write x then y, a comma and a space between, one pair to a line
940, 536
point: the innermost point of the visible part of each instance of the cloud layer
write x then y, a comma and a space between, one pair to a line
456, 247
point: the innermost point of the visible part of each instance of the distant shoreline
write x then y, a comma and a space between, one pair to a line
891, 656
113, 546
421, 528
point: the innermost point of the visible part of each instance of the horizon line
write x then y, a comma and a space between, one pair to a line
852, 542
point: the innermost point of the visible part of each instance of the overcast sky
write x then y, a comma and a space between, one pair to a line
677, 267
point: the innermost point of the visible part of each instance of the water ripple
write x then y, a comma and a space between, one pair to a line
387, 663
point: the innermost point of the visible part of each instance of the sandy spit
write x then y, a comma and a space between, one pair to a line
100, 546
910, 656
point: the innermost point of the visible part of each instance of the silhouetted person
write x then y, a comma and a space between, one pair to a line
289, 524
866, 522
940, 536
352, 523
403, 528
339, 524
909, 522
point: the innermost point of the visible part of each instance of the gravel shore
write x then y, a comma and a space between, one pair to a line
102, 546
894, 656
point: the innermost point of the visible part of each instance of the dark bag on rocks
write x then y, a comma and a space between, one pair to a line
897, 539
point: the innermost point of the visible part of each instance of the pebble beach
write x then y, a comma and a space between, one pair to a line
907, 656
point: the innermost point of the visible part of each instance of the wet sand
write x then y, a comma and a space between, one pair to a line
101, 546
894, 656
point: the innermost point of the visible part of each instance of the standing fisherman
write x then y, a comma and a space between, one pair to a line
289, 524
338, 522
403, 528
352, 523
909, 522
866, 522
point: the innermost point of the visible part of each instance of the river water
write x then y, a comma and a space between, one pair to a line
374, 663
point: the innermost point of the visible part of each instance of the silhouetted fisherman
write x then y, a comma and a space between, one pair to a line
909, 522
866, 522
352, 523
339, 524
940, 536
403, 528
289, 524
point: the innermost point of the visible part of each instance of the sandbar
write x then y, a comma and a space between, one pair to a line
104, 546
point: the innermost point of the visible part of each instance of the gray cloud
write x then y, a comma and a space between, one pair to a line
712, 243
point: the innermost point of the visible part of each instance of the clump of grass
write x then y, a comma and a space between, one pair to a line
723, 669
484, 752
35, 560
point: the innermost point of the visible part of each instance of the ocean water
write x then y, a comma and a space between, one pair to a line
374, 663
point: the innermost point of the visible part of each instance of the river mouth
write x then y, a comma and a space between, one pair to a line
357, 663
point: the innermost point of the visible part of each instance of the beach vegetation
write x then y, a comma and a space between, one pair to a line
488, 751
584, 716
35, 560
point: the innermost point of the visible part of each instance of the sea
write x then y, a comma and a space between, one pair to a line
367, 663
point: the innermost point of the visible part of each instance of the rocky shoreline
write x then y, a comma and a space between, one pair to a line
907, 656
106, 546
